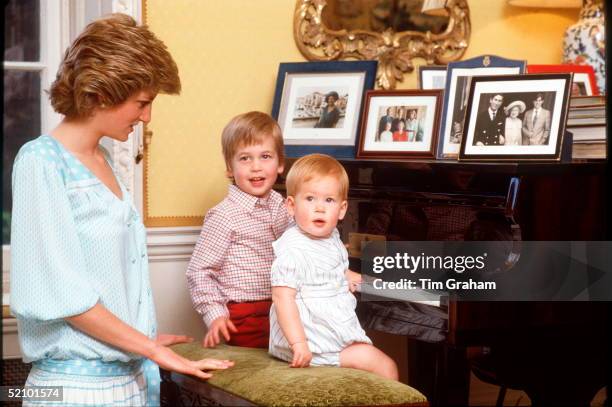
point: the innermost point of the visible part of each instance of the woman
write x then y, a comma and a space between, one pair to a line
413, 127
330, 114
513, 135
79, 276
400, 134
386, 135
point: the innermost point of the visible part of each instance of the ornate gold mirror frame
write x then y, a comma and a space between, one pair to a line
393, 50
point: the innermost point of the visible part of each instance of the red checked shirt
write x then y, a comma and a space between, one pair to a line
233, 256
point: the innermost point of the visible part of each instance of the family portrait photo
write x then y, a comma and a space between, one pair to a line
519, 117
320, 108
400, 123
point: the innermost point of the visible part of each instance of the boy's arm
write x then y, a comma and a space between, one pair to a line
206, 261
291, 324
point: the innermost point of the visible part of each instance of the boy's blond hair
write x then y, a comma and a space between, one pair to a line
247, 129
316, 165
111, 60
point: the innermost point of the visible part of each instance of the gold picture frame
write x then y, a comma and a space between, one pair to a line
394, 50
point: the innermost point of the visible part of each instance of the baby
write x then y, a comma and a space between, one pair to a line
312, 319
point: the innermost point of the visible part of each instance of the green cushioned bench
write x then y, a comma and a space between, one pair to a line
259, 379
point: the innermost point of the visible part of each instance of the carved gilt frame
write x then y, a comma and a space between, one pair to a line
393, 50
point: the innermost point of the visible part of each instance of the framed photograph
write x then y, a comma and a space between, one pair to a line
432, 76
584, 82
516, 118
318, 105
456, 96
400, 124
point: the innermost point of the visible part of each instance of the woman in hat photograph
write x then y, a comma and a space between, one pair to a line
513, 133
330, 114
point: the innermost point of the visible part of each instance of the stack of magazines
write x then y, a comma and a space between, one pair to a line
586, 120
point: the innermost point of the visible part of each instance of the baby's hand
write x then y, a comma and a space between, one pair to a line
354, 280
301, 355
221, 325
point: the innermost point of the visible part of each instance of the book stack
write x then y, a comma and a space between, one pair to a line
586, 120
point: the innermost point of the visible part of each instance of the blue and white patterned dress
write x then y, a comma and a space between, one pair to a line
315, 268
73, 244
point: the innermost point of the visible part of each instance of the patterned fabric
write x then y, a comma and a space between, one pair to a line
315, 268
232, 258
74, 244
97, 383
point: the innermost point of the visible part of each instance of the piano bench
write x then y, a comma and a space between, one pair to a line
257, 379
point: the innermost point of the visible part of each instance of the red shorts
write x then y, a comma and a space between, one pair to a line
252, 320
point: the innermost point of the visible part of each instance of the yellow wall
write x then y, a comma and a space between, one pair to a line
228, 54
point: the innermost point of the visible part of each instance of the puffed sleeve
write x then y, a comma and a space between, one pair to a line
48, 281
287, 269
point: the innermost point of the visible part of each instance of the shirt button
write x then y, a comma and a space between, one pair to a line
133, 261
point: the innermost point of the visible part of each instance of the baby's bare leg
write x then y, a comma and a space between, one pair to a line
369, 358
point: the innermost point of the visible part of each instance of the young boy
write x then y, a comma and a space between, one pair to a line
229, 271
313, 318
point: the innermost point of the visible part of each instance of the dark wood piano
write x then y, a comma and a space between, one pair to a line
555, 351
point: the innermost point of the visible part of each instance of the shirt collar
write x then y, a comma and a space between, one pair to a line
248, 201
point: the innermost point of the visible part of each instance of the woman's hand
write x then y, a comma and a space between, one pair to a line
169, 339
103, 325
169, 360
301, 355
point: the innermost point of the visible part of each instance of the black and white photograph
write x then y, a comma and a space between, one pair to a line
323, 108
521, 117
456, 96
400, 123
458, 112
514, 119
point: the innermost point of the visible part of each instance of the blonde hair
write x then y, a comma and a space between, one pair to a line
247, 129
316, 165
112, 59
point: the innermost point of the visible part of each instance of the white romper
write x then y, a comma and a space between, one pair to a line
315, 268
